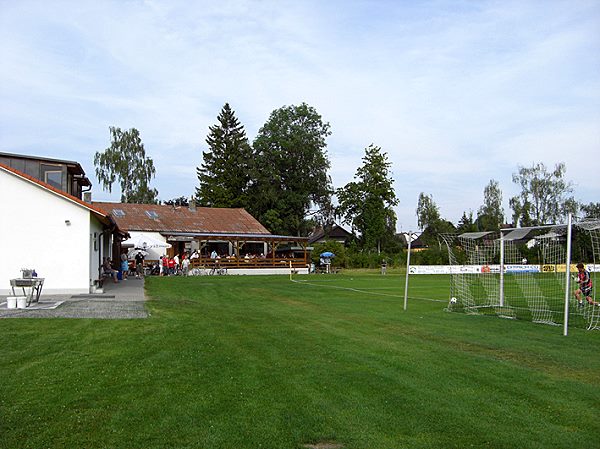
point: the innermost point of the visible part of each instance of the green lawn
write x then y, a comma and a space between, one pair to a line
262, 362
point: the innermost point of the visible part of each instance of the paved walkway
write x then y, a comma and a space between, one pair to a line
124, 300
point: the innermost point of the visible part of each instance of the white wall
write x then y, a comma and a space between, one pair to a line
34, 234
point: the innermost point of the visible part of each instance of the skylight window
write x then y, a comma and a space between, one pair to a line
151, 214
118, 212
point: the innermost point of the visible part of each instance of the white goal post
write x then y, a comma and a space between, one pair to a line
507, 284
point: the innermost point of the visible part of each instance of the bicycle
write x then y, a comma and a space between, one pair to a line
217, 270
199, 271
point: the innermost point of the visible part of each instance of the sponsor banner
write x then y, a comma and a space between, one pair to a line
430, 269
560, 268
477, 269
445, 269
521, 268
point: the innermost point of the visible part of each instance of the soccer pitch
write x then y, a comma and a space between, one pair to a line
320, 361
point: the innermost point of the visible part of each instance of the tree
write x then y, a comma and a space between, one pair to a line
466, 223
427, 211
125, 160
224, 175
591, 210
491, 213
430, 221
431, 233
182, 201
543, 198
291, 169
367, 203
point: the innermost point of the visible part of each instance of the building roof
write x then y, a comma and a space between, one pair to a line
183, 220
105, 218
72, 166
415, 243
336, 232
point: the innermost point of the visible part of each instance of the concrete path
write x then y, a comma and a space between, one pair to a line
124, 300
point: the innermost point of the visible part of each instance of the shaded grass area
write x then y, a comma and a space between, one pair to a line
249, 362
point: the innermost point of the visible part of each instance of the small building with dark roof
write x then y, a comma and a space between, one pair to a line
333, 233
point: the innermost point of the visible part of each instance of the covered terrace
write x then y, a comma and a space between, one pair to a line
242, 251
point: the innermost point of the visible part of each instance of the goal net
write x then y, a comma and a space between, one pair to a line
524, 273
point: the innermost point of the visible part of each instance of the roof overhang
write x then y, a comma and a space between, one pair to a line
188, 236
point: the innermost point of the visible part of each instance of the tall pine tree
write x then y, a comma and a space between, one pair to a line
224, 175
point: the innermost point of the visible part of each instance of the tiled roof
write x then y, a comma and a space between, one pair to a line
105, 217
166, 219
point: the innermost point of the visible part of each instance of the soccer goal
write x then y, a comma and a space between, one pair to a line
525, 273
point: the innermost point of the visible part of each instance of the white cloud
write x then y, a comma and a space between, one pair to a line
456, 93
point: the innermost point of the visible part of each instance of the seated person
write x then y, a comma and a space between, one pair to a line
108, 269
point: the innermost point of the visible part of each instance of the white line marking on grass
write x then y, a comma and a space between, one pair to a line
368, 292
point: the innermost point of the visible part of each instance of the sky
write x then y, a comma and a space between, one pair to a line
456, 93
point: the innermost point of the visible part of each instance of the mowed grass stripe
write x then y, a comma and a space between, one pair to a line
227, 362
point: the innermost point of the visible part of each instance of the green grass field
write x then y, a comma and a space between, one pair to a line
263, 362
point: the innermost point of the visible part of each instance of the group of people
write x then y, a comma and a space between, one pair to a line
124, 266
169, 266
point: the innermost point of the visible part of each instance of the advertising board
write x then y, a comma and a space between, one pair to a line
511, 269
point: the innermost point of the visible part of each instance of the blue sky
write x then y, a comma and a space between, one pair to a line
455, 92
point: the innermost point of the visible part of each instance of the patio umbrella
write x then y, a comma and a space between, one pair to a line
143, 241
327, 254
135, 251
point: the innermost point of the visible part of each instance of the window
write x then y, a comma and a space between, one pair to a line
151, 214
118, 212
54, 178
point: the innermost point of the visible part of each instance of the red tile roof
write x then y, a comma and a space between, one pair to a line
138, 217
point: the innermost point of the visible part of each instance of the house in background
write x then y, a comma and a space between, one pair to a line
416, 244
334, 233
67, 176
43, 227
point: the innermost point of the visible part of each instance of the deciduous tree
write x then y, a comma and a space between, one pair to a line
544, 195
591, 210
125, 161
491, 213
290, 169
427, 211
182, 201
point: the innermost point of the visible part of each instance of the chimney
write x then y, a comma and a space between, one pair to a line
87, 197
192, 204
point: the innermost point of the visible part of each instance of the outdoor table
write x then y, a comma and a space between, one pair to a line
33, 284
